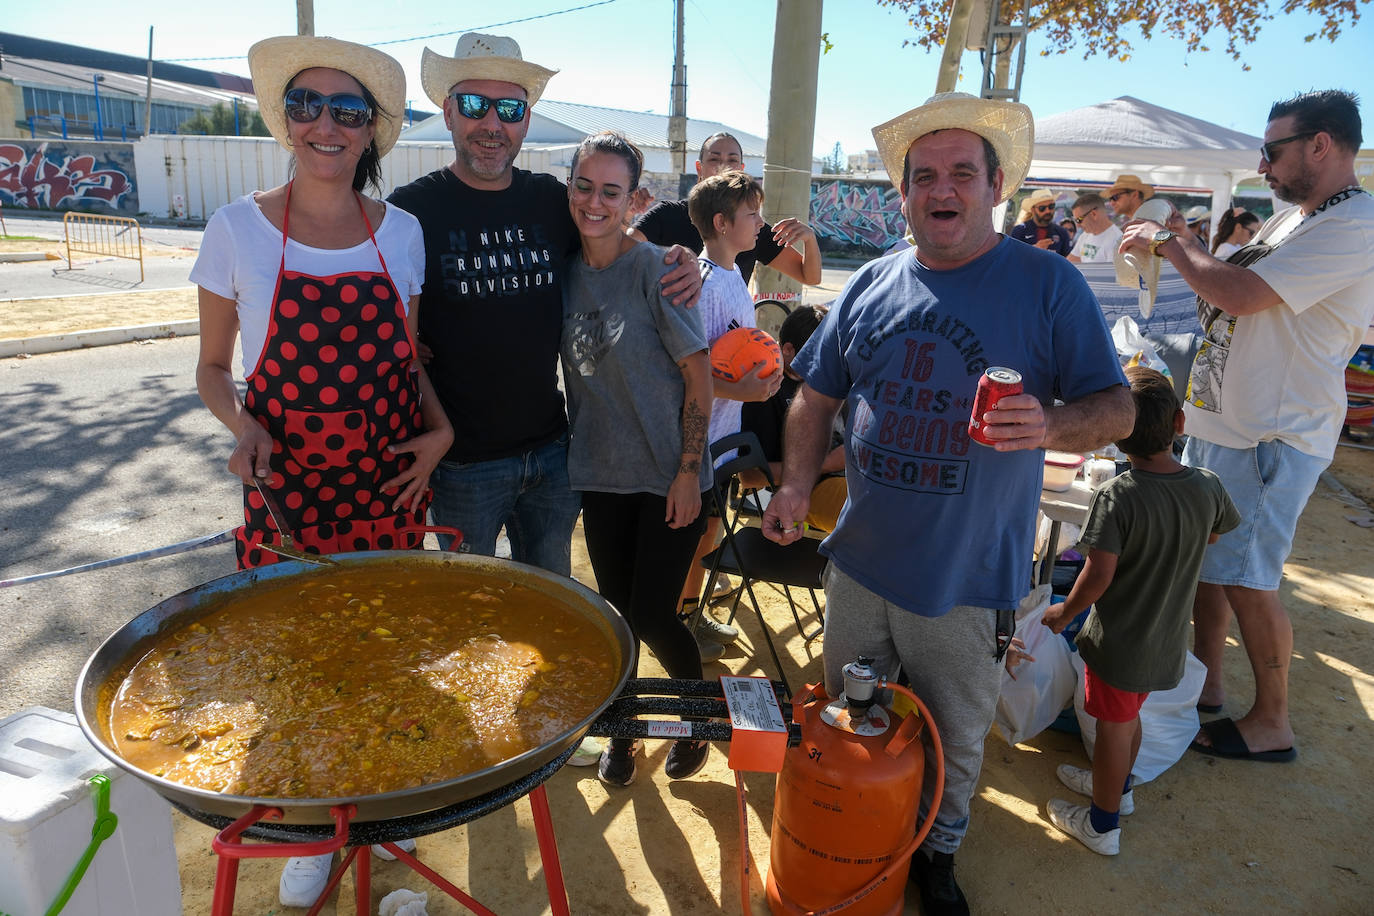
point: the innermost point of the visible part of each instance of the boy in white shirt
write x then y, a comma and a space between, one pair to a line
725, 209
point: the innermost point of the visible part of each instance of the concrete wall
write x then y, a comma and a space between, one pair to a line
188, 177
82, 175
191, 177
854, 216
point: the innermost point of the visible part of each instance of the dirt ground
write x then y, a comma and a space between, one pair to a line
1208, 836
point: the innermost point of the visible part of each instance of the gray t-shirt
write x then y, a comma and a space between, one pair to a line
1136, 637
622, 341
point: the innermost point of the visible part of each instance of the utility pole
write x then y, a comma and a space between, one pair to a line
791, 123
677, 118
305, 17
148, 99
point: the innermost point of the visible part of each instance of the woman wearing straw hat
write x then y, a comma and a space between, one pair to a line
317, 281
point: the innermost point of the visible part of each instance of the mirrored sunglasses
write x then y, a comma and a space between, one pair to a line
1079, 219
474, 106
305, 105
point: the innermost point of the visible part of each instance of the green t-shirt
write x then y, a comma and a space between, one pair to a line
1136, 637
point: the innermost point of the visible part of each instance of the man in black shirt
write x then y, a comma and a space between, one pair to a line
497, 239
667, 223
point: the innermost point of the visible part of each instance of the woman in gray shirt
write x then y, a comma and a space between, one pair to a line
638, 379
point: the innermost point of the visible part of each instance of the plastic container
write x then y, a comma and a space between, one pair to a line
1060, 470
47, 809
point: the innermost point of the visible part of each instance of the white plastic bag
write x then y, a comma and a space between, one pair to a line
402, 902
1042, 688
1133, 349
1168, 720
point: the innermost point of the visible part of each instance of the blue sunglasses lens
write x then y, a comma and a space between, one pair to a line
474, 106
305, 105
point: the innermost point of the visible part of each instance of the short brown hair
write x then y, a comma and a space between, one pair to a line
1156, 405
721, 194
1090, 200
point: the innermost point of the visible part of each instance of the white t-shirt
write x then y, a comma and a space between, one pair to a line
724, 304
1280, 374
1096, 246
241, 251
1225, 250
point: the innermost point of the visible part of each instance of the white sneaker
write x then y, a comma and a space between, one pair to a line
587, 753
1081, 781
1076, 821
386, 855
303, 879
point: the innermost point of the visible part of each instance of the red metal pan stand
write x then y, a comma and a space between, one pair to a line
319, 839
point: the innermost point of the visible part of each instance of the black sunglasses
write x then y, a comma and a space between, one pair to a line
1112, 199
1267, 150
348, 110
1078, 220
474, 106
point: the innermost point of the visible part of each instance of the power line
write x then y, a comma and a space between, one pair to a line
399, 41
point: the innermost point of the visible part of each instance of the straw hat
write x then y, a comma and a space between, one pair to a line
1131, 183
481, 57
1196, 213
273, 62
1008, 126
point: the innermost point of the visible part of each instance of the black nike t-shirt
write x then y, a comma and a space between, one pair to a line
492, 307
667, 223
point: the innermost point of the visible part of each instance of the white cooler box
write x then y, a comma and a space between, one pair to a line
47, 809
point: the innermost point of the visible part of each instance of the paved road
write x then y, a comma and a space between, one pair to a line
103, 452
94, 275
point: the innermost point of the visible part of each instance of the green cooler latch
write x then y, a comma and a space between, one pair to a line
104, 827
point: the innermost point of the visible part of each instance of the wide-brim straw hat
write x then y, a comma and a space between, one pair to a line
481, 57
274, 62
1131, 183
1008, 126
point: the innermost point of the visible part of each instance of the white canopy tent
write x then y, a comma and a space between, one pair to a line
1163, 147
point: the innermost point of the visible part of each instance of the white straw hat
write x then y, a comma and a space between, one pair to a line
274, 62
1008, 126
481, 57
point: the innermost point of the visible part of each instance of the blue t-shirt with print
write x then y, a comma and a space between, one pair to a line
935, 519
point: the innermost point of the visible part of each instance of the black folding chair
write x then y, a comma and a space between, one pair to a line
746, 554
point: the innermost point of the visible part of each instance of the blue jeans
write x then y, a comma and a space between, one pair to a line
528, 493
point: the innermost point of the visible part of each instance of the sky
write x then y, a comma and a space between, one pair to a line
619, 54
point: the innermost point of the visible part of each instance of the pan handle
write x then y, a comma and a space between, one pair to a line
228, 843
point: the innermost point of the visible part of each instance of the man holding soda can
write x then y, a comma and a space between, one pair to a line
933, 549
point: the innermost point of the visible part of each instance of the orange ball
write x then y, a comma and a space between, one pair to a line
738, 350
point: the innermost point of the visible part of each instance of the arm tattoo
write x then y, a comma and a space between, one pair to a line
694, 424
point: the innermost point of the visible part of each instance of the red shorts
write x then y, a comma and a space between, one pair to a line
1103, 701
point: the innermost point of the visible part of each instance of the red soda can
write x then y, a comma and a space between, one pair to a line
996, 383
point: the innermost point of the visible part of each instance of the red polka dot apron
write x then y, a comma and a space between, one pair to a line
333, 388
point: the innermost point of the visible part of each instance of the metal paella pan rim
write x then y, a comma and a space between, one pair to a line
128, 643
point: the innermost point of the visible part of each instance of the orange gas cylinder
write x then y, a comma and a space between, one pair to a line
845, 808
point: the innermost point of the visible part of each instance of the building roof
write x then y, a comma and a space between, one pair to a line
40, 49
46, 74
569, 122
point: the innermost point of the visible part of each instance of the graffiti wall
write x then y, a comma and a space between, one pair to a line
87, 176
857, 216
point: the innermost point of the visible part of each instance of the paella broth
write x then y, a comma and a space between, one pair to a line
359, 682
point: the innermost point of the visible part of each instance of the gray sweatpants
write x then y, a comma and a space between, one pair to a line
949, 662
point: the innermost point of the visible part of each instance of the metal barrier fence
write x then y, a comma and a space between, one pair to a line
93, 233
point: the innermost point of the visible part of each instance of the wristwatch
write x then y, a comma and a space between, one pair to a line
1160, 238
